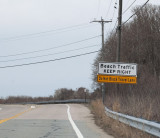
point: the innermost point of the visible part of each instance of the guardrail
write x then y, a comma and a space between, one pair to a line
60, 101
64, 101
150, 127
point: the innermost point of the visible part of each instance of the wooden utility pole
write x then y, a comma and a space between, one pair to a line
102, 22
119, 28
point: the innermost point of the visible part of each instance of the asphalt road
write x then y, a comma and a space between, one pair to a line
48, 121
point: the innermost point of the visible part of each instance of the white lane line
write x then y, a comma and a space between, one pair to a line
0, 109
79, 134
33, 106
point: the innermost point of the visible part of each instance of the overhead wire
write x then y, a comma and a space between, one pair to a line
16, 65
114, 9
129, 17
42, 33
127, 3
108, 8
45, 61
129, 7
113, 13
99, 3
114, 27
135, 12
46, 55
36, 51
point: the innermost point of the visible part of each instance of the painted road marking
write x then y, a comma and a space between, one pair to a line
33, 106
15, 116
0, 109
79, 134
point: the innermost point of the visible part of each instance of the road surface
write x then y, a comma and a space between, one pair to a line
48, 121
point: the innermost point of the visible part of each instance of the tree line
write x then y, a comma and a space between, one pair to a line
59, 94
141, 45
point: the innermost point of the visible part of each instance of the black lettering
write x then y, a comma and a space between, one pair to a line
114, 66
101, 65
100, 78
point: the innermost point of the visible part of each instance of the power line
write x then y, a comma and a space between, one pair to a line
127, 3
114, 9
114, 27
113, 13
123, 12
135, 12
48, 54
99, 3
41, 33
36, 51
129, 17
40, 62
108, 8
129, 7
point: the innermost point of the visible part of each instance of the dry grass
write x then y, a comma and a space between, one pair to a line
146, 106
113, 127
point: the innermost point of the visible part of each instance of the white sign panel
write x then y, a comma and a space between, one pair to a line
120, 69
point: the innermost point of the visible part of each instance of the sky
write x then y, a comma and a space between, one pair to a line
34, 31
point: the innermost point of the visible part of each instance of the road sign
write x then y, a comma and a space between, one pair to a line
119, 69
116, 79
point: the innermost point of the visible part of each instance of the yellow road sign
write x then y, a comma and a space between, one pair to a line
116, 79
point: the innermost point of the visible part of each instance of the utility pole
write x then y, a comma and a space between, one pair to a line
102, 22
119, 28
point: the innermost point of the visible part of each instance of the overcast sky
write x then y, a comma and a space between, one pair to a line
32, 29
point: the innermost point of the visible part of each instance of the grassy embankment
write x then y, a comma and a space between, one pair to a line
113, 127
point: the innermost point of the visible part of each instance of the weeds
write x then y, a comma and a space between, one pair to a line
114, 127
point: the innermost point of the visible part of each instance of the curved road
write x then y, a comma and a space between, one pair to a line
48, 121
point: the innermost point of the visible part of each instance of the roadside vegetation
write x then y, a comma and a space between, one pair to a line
113, 127
60, 94
141, 45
